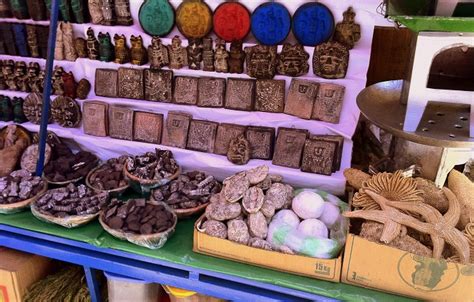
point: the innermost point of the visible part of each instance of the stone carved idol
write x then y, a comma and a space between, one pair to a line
108, 12
95, 11
157, 54
21, 78
177, 53
330, 60
347, 32
122, 53
92, 45
32, 40
194, 50
138, 51
293, 60
237, 57
68, 42
261, 61
220, 57
81, 47
57, 85
106, 49
32, 74
208, 55
122, 10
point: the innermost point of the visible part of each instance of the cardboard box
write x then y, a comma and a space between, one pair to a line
373, 265
326, 269
18, 271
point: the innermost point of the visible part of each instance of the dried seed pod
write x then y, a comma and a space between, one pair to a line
268, 209
258, 226
253, 200
260, 244
280, 195
215, 228
238, 231
235, 187
257, 174
223, 211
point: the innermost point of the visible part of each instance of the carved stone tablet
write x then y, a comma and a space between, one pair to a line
106, 82
318, 156
211, 92
66, 112
148, 127
225, 133
261, 61
202, 136
261, 141
175, 132
301, 98
328, 103
186, 90
130, 83
159, 85
289, 147
95, 120
270, 95
240, 94
331, 60
339, 140
121, 122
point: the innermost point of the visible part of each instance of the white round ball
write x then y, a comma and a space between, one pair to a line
313, 228
308, 205
287, 217
330, 214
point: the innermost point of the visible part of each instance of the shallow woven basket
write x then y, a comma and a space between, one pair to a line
67, 222
185, 213
152, 241
66, 182
22, 205
114, 192
142, 185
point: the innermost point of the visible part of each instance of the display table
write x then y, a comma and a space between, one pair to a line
175, 264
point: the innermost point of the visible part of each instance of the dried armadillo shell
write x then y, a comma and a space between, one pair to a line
223, 211
279, 194
215, 228
257, 174
253, 200
235, 187
260, 244
238, 231
268, 209
258, 226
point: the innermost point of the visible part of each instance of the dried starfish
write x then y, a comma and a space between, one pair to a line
393, 219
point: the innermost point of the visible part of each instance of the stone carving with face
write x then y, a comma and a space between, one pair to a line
330, 60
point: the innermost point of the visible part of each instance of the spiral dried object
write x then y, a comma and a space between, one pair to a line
393, 186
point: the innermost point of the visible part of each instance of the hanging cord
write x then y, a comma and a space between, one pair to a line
382, 10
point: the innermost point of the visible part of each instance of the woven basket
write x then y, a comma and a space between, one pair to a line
22, 205
67, 222
144, 186
113, 193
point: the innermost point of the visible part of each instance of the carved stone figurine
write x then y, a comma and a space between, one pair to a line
77, 7
293, 60
347, 32
21, 78
194, 50
18, 115
95, 11
68, 42
92, 45
81, 47
236, 58
57, 81
239, 150
220, 57
106, 49
157, 54
330, 60
261, 61
32, 74
122, 53
207, 54
122, 11
8, 74
32, 40
108, 12
6, 109
59, 50
83, 89
177, 53
69, 85
138, 51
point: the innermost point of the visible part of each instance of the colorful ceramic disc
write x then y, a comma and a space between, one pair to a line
231, 21
313, 24
194, 19
156, 17
271, 23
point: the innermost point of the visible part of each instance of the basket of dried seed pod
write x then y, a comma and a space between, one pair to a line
151, 170
70, 206
189, 194
145, 223
109, 177
18, 190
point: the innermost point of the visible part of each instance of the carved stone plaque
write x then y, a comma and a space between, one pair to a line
95, 120
301, 98
175, 132
211, 92
130, 83
318, 156
289, 147
339, 140
328, 103
147, 127
186, 90
225, 133
270, 95
202, 136
330, 60
121, 122
261, 141
261, 61
106, 82
66, 112
33, 107
240, 94
159, 85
